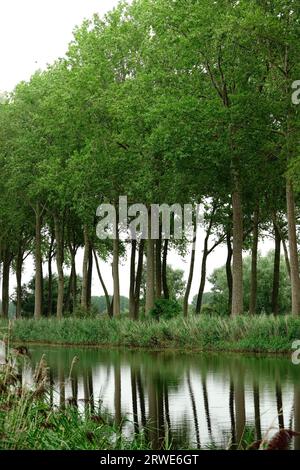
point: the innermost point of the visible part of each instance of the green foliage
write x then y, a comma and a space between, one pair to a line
219, 296
99, 304
175, 281
166, 309
28, 295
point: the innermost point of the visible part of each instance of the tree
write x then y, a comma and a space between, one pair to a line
218, 298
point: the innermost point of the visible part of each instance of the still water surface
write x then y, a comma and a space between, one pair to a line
192, 400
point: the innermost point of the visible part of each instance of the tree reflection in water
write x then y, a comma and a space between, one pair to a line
176, 400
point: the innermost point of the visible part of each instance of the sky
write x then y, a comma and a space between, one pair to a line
34, 33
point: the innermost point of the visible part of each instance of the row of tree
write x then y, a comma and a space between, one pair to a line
163, 101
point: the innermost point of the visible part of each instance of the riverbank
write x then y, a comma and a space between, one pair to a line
261, 334
29, 420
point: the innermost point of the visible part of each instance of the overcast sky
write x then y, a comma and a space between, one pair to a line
36, 32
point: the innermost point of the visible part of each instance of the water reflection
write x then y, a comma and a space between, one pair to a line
177, 400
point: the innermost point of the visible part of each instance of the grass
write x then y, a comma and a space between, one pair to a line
30, 421
265, 334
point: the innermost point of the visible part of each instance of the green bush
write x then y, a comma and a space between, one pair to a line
81, 312
166, 309
208, 309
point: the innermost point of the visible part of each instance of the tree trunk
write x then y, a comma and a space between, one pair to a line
38, 289
286, 256
116, 277
107, 299
191, 275
237, 258
73, 279
68, 294
150, 281
19, 265
254, 256
228, 268
5, 283
276, 274
158, 265
285, 249
90, 278
206, 252
74, 288
203, 279
84, 290
164, 270
138, 281
132, 279
59, 265
50, 297
295, 283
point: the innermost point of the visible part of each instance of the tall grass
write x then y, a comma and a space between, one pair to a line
248, 334
30, 421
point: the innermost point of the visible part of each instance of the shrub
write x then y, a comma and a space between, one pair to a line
166, 309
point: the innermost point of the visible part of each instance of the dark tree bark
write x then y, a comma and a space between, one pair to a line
254, 256
206, 252
237, 242
72, 288
283, 241
150, 278
38, 290
294, 262
116, 278
84, 290
90, 278
164, 270
228, 268
132, 279
138, 281
5, 282
50, 256
191, 275
276, 273
59, 264
203, 279
158, 267
19, 267
107, 299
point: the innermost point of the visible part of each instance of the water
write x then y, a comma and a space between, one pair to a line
192, 400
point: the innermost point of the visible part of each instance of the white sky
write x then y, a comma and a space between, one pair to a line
34, 33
